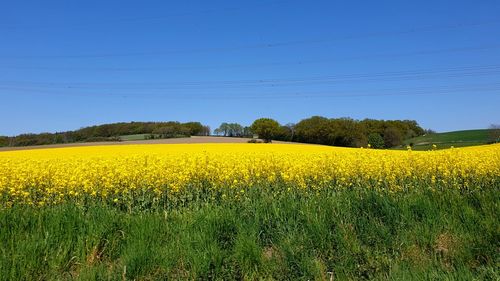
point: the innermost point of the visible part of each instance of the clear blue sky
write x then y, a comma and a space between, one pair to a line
69, 64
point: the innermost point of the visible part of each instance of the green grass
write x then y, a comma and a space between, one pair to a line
133, 137
448, 139
144, 137
354, 235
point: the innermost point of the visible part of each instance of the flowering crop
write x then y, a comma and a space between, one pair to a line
47, 176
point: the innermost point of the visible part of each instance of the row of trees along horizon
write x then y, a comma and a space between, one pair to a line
346, 132
111, 132
318, 130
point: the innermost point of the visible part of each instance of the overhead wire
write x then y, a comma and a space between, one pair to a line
322, 39
329, 93
252, 65
456, 72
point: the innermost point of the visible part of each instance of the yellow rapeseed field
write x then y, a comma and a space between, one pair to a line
46, 176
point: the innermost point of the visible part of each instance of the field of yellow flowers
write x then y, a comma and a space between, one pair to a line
117, 173
249, 212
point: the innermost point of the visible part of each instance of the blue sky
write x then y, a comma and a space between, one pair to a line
69, 64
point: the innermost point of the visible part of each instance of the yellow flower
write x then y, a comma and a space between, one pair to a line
47, 176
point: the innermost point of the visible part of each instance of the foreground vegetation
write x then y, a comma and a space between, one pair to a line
352, 235
249, 211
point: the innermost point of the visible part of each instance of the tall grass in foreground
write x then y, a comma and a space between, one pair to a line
351, 234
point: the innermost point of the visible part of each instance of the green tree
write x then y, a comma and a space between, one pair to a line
266, 128
206, 130
494, 133
347, 132
168, 131
194, 128
316, 129
392, 137
235, 130
375, 140
286, 133
4, 141
223, 129
247, 132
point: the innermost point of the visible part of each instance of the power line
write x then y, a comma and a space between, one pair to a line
250, 65
456, 72
138, 19
259, 45
444, 90
266, 85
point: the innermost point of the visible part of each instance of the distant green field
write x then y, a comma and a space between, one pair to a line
449, 139
144, 137
133, 137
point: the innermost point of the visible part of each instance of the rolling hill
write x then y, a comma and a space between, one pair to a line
449, 139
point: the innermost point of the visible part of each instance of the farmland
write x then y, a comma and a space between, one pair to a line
449, 139
249, 211
249, 140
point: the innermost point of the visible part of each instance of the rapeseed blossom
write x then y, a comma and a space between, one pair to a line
47, 176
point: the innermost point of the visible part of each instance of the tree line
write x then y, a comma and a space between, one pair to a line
346, 132
233, 130
110, 132
316, 129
